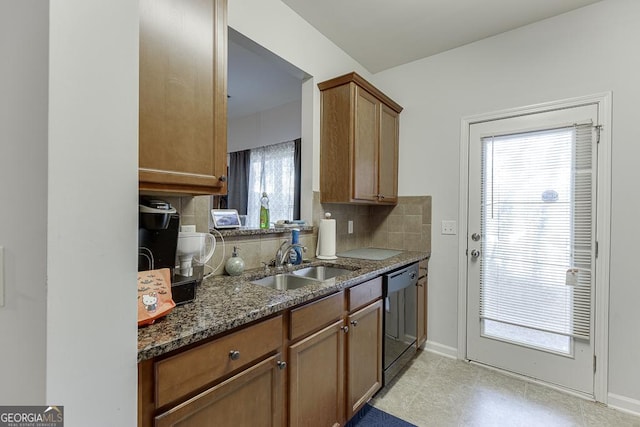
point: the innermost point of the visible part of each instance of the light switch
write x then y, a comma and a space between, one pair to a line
449, 227
1, 276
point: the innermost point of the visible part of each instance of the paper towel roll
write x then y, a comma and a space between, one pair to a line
326, 238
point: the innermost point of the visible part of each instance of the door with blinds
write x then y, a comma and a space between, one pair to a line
531, 245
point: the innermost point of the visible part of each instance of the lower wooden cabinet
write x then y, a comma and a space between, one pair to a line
330, 367
364, 356
250, 398
316, 378
422, 312
422, 295
336, 370
234, 380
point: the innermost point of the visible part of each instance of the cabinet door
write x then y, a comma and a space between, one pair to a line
365, 146
388, 158
316, 379
422, 311
251, 398
183, 113
364, 348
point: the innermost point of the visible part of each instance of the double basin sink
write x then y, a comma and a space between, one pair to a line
303, 277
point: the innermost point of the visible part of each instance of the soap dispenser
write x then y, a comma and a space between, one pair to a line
235, 264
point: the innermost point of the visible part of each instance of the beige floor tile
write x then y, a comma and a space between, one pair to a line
437, 391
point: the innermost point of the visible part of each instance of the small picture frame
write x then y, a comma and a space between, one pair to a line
225, 218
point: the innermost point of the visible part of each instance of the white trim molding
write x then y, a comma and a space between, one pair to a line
624, 404
441, 349
603, 233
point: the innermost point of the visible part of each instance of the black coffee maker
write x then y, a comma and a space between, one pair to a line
158, 227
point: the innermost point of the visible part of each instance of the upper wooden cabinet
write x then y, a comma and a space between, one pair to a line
358, 142
183, 96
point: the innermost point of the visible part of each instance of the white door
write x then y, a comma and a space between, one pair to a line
531, 245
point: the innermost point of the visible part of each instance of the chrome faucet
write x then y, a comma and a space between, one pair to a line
283, 254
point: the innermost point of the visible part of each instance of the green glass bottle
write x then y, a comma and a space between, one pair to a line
264, 211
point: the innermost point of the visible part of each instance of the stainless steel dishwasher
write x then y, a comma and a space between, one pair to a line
400, 308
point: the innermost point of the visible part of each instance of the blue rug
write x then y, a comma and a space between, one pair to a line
369, 416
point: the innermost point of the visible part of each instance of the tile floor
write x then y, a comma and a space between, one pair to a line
438, 391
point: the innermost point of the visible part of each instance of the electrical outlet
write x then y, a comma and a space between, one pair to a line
350, 227
449, 227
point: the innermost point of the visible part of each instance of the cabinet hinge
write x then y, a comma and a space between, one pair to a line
594, 363
597, 249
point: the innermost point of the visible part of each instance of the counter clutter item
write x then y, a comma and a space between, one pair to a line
326, 238
235, 264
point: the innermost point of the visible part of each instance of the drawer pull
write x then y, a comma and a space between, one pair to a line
345, 329
281, 364
354, 322
234, 355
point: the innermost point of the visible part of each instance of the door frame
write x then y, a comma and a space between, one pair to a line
603, 225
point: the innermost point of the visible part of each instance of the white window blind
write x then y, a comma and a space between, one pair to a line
537, 246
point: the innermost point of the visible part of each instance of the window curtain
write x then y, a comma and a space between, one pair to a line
272, 170
297, 163
238, 185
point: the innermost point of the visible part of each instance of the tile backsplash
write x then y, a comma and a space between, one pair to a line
406, 226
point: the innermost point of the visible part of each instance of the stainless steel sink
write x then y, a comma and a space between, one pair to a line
321, 272
285, 282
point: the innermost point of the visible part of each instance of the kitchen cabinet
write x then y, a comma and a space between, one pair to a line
197, 384
359, 135
364, 349
247, 399
422, 292
316, 378
183, 101
335, 359
316, 363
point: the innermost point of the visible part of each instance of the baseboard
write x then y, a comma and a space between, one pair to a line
441, 349
624, 404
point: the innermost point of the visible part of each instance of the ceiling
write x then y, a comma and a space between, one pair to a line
382, 34
258, 79
377, 35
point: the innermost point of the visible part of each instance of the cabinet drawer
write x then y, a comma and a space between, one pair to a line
184, 373
316, 315
364, 293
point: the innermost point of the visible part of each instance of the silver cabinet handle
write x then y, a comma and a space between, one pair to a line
475, 253
345, 329
234, 355
354, 322
281, 364
222, 178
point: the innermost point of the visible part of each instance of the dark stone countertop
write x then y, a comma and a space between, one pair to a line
224, 303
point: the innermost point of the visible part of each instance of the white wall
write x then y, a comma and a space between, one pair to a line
276, 27
590, 50
24, 45
92, 215
278, 124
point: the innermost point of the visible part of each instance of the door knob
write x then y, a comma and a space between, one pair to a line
345, 329
475, 253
